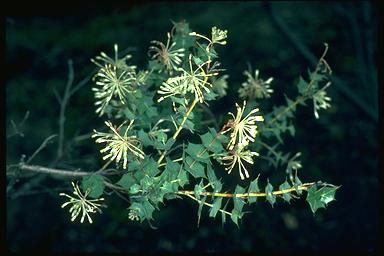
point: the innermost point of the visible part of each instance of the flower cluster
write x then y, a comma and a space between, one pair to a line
167, 54
320, 100
254, 87
81, 204
119, 145
193, 80
243, 130
114, 78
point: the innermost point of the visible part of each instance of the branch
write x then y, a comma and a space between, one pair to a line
42, 146
63, 104
302, 187
303, 49
52, 171
64, 173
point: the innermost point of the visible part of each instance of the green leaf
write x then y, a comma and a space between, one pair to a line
198, 189
150, 167
134, 189
146, 183
216, 184
235, 215
126, 181
128, 114
195, 168
238, 202
223, 217
169, 187
215, 207
320, 198
183, 178
286, 196
144, 138
302, 85
94, 183
211, 174
201, 203
290, 103
211, 143
171, 170
296, 184
271, 198
144, 209
253, 188
196, 152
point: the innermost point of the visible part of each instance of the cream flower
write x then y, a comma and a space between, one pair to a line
255, 87
237, 156
244, 130
119, 145
81, 204
166, 55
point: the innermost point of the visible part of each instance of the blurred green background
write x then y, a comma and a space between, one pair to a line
340, 148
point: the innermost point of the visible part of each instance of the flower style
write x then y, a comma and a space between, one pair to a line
81, 204
118, 145
237, 156
194, 81
255, 87
244, 130
166, 55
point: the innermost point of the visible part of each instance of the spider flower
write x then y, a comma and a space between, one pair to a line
192, 80
112, 83
243, 130
237, 156
81, 203
166, 54
254, 87
118, 145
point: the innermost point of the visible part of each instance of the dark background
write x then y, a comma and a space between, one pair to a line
340, 148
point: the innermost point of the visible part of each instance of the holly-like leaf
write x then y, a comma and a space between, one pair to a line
150, 167
215, 207
144, 209
271, 198
201, 203
319, 198
286, 196
194, 167
95, 184
211, 143
302, 85
126, 181
197, 152
253, 188
238, 202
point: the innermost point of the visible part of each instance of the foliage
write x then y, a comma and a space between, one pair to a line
147, 109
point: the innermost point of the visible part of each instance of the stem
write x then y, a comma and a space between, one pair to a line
65, 173
51, 171
180, 127
304, 186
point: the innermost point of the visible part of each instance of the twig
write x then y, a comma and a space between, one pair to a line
63, 104
42, 146
17, 128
